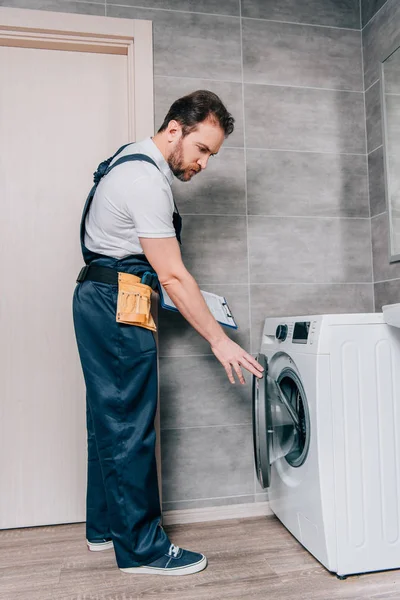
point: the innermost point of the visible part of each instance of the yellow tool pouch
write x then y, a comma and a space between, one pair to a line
134, 302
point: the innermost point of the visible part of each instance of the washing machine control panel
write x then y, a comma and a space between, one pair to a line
297, 332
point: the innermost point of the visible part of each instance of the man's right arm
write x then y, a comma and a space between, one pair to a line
164, 255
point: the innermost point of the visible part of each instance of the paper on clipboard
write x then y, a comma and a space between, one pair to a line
217, 305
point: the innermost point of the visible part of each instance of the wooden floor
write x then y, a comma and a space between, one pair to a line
248, 559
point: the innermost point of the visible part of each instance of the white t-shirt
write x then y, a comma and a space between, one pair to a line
134, 200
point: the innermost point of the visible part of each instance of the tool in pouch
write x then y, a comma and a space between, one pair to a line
134, 300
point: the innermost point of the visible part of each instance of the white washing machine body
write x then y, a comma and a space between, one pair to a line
326, 422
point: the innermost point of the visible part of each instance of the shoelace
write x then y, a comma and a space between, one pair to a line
173, 550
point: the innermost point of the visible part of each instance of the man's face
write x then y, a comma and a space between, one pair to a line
189, 155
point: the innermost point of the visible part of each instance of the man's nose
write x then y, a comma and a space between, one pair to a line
203, 162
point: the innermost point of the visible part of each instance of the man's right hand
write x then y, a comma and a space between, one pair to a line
231, 355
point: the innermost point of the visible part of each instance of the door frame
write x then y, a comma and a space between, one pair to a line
133, 38
86, 33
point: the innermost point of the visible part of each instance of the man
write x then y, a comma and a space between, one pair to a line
130, 225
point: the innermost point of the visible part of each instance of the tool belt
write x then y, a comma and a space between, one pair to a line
134, 297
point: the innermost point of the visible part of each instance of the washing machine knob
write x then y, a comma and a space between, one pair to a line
281, 332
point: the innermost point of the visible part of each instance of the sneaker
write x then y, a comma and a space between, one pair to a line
99, 545
176, 562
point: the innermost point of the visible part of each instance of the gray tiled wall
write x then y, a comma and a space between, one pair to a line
279, 222
381, 35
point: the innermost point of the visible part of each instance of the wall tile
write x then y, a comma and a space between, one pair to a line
67, 6
309, 250
220, 189
305, 299
377, 196
387, 292
195, 390
383, 270
306, 184
178, 338
222, 7
169, 89
216, 248
374, 116
191, 45
318, 12
207, 462
369, 8
380, 38
304, 119
297, 55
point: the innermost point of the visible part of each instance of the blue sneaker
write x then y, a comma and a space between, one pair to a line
176, 562
98, 545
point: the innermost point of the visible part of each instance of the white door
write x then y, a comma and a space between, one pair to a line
62, 111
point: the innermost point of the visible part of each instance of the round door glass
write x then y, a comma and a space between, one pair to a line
293, 390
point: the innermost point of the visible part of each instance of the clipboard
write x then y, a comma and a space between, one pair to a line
217, 305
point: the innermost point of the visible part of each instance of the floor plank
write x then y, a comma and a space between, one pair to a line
248, 559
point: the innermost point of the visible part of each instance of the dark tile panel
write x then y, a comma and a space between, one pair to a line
306, 184
383, 269
377, 196
380, 38
369, 8
304, 119
189, 44
196, 390
206, 462
216, 248
67, 6
222, 7
387, 292
309, 250
345, 13
297, 55
373, 111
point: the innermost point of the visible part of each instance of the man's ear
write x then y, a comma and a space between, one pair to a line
174, 131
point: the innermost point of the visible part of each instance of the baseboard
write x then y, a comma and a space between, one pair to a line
216, 513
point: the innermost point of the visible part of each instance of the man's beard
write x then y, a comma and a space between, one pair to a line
175, 162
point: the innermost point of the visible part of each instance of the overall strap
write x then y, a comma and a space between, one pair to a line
97, 176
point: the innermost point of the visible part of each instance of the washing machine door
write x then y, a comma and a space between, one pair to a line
275, 424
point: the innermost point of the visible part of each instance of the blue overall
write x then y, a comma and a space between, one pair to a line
119, 364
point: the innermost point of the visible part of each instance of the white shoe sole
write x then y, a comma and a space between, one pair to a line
189, 569
99, 546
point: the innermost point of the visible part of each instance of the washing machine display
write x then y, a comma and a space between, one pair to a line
281, 423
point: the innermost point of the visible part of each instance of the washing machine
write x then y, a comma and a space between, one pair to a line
326, 427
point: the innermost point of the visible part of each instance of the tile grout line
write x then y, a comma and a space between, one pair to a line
246, 199
212, 498
375, 149
379, 214
227, 215
284, 85
239, 16
373, 16
372, 84
368, 181
387, 280
299, 151
244, 424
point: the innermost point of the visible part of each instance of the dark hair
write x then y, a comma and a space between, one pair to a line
195, 108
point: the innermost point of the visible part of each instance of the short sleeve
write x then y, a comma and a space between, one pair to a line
150, 205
